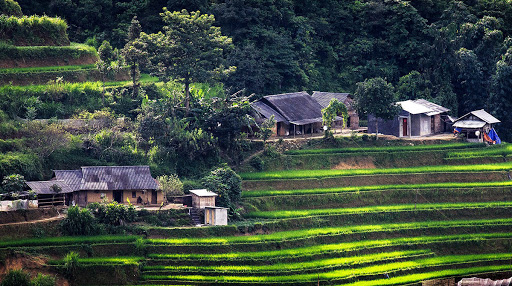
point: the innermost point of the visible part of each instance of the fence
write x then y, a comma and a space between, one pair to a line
17, 204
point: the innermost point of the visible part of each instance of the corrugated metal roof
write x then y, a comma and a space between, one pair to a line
324, 98
117, 178
43, 187
469, 124
73, 178
203, 193
295, 106
422, 106
267, 111
485, 116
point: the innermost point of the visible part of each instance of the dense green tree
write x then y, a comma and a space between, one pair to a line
375, 96
10, 8
14, 184
105, 63
227, 184
135, 53
469, 82
501, 91
413, 86
329, 114
16, 277
191, 49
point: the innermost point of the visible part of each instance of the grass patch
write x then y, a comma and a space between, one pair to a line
385, 149
329, 231
374, 209
300, 266
304, 174
121, 260
263, 193
63, 240
494, 150
415, 278
301, 252
348, 273
45, 69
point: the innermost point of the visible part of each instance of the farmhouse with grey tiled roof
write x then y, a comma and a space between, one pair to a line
295, 113
120, 183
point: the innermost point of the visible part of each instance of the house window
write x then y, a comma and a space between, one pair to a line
134, 194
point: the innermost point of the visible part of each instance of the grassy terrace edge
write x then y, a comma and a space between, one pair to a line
374, 209
311, 174
325, 231
454, 185
385, 149
63, 240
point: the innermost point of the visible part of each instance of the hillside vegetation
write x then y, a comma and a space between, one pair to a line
360, 235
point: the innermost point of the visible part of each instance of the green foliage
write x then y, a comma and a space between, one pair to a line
69, 240
266, 128
335, 108
33, 31
10, 8
376, 97
65, 53
364, 150
71, 264
43, 280
78, 222
27, 164
191, 49
227, 184
113, 213
170, 185
14, 183
16, 278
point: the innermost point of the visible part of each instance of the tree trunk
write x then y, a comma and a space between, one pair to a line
134, 79
187, 95
376, 128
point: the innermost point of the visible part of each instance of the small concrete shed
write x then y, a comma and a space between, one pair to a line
215, 216
202, 198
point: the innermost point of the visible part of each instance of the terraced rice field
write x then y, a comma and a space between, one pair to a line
356, 233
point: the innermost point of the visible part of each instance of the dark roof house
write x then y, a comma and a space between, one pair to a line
324, 98
44, 187
477, 126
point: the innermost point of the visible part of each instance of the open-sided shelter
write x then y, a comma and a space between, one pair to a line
52, 193
324, 98
477, 126
118, 183
418, 118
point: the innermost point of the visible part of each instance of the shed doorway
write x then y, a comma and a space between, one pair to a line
404, 127
153, 197
118, 196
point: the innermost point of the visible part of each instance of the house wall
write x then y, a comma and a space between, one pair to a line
283, 129
388, 127
425, 125
354, 119
438, 124
216, 216
415, 125
82, 198
201, 202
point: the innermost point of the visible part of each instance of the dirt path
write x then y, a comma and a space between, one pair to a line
59, 217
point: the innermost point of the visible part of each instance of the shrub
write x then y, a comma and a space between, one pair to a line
16, 278
34, 30
78, 222
14, 183
227, 184
191, 185
170, 185
257, 163
10, 8
71, 264
43, 280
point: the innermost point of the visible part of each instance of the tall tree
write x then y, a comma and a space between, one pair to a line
501, 89
376, 96
191, 49
135, 53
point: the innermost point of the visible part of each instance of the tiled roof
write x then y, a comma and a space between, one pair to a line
324, 98
73, 178
295, 107
43, 187
117, 178
267, 111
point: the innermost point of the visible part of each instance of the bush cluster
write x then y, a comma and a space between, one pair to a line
33, 30
10, 8
75, 51
20, 278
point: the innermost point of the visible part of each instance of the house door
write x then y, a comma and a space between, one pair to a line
153, 197
404, 127
118, 196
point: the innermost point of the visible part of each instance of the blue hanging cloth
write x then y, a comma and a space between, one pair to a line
457, 130
494, 136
